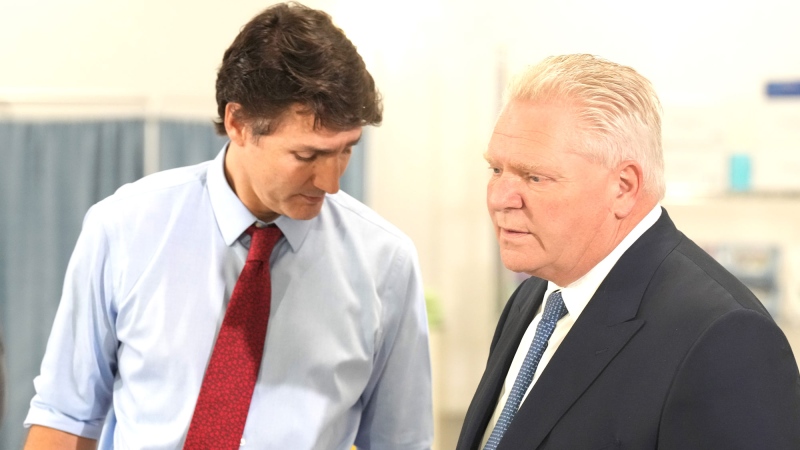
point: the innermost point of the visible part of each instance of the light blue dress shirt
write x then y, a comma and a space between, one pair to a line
346, 356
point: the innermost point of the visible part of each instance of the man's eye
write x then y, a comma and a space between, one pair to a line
305, 156
495, 170
535, 178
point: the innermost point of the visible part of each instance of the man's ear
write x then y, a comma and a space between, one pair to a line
629, 182
234, 126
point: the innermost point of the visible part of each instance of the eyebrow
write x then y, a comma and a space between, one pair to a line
308, 148
524, 167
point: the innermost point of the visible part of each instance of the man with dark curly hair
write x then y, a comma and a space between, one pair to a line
246, 301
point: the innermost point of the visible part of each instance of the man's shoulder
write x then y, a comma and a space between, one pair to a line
679, 274
360, 218
705, 284
157, 190
718, 272
185, 177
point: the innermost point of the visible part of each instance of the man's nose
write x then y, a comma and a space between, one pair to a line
503, 193
327, 174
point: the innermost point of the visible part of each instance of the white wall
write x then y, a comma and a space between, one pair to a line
440, 64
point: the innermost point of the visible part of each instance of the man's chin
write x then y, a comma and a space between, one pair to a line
517, 264
303, 213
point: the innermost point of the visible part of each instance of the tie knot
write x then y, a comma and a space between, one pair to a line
554, 308
262, 241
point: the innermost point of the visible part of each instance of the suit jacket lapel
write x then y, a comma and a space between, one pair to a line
523, 305
602, 330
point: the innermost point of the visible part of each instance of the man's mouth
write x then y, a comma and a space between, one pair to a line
511, 232
313, 198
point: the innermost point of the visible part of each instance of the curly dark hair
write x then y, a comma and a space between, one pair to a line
291, 54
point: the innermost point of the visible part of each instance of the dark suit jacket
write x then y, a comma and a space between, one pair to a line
672, 352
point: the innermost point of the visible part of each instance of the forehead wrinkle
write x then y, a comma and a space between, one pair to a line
534, 142
523, 134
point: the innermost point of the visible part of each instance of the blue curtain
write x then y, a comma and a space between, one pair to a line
182, 143
50, 174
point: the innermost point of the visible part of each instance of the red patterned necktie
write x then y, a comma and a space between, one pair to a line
224, 400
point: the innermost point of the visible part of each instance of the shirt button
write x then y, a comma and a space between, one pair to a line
242, 443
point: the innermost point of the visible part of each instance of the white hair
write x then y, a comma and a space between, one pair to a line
618, 109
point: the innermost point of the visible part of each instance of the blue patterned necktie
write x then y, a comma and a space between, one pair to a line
554, 310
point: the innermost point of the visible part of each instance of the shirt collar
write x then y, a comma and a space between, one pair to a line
233, 217
295, 230
577, 295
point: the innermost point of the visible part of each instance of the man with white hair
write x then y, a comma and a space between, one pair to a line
627, 335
